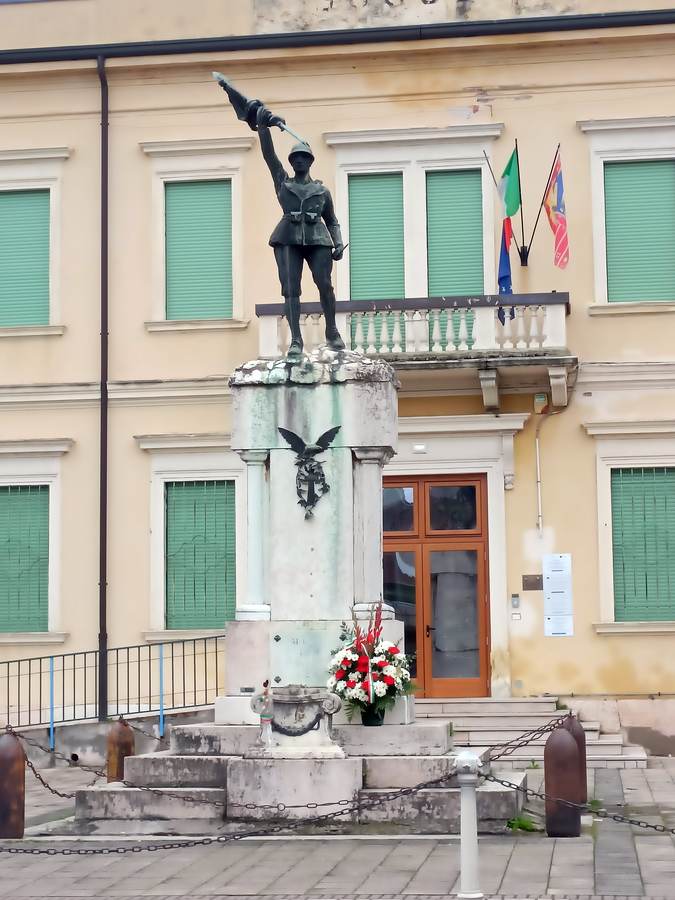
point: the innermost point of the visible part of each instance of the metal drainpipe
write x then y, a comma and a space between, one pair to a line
103, 427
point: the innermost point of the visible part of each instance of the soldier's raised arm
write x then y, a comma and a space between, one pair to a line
274, 164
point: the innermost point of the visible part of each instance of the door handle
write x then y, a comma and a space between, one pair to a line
429, 630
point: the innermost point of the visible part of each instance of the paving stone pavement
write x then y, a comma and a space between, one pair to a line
610, 860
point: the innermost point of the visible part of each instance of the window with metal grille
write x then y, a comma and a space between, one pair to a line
198, 249
24, 558
643, 543
24, 258
640, 230
200, 556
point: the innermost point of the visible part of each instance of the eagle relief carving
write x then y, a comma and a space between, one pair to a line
310, 479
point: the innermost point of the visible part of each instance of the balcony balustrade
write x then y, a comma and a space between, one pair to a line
518, 339
517, 324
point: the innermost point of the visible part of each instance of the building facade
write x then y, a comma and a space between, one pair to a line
530, 426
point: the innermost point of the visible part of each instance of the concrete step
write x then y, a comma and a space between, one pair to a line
115, 801
212, 740
423, 738
605, 744
629, 758
452, 706
406, 771
437, 810
164, 769
513, 720
481, 733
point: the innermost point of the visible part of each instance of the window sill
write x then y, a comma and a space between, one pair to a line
33, 637
181, 634
32, 331
198, 325
630, 309
634, 627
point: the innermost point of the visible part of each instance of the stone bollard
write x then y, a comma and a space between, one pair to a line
576, 729
561, 782
467, 766
120, 745
12, 787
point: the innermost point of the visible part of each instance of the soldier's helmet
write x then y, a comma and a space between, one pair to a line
301, 147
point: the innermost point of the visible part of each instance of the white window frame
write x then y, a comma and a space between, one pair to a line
39, 169
414, 152
218, 159
621, 140
189, 458
622, 445
472, 444
38, 462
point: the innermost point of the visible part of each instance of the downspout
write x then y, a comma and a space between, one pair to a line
545, 414
103, 422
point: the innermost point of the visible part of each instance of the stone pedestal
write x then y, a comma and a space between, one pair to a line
308, 569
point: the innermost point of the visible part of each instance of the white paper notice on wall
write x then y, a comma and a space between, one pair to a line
558, 610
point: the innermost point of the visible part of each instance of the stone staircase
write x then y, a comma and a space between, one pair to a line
489, 722
208, 764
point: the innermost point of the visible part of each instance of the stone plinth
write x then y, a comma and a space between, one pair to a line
308, 569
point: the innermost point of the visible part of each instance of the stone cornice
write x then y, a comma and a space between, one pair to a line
36, 447
460, 426
163, 442
195, 148
626, 376
593, 125
414, 135
34, 153
631, 428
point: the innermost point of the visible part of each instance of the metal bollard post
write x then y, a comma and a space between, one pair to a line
12, 787
561, 782
576, 729
467, 766
120, 745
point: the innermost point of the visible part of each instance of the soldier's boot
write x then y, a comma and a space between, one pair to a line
293, 315
333, 338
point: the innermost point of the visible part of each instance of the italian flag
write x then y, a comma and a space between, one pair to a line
509, 186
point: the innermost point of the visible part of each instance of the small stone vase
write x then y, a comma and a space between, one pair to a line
372, 716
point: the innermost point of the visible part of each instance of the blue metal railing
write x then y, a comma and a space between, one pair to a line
142, 678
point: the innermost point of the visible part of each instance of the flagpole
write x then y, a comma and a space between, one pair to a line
541, 205
522, 250
490, 168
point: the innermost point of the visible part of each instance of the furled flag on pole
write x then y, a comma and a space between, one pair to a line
554, 201
509, 191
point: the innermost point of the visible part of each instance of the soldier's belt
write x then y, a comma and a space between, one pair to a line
296, 217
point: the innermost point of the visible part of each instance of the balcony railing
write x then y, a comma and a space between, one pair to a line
494, 325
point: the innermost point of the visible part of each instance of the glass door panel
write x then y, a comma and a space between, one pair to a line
398, 508
455, 639
401, 568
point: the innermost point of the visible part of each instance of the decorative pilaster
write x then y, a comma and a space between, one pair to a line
368, 465
256, 605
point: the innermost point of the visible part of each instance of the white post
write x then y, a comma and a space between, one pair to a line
484, 337
268, 337
468, 764
368, 463
555, 326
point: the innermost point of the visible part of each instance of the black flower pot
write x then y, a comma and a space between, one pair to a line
372, 716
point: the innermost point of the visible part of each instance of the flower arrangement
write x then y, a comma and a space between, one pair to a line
368, 672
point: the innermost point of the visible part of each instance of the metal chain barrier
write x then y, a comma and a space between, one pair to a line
148, 734
509, 747
68, 795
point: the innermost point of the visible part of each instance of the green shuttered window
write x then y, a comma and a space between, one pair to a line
198, 249
200, 553
24, 558
24, 258
376, 251
643, 542
455, 232
640, 230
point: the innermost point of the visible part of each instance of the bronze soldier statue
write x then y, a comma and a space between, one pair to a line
308, 230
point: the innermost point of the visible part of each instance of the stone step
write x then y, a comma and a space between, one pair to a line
422, 738
406, 771
630, 758
437, 810
212, 740
115, 801
487, 735
165, 769
605, 744
515, 721
451, 706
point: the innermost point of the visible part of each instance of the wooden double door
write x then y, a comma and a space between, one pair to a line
436, 578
